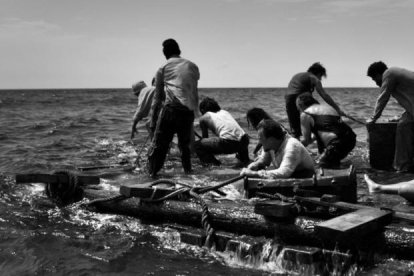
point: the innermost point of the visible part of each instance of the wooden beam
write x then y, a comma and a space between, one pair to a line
409, 217
54, 178
356, 224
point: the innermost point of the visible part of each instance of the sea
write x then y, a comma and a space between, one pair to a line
44, 130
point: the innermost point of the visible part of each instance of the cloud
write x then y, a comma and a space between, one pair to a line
373, 6
13, 26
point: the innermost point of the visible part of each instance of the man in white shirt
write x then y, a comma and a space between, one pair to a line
230, 137
286, 156
145, 96
176, 85
399, 83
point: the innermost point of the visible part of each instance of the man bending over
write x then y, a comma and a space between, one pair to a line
286, 156
230, 137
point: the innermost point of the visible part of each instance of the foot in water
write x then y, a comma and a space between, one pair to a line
372, 186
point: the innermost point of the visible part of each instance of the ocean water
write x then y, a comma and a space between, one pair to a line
46, 130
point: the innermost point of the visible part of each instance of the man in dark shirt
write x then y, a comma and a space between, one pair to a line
302, 83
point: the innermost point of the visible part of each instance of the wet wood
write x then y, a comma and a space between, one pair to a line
147, 190
54, 179
346, 206
239, 218
275, 208
341, 183
355, 224
101, 167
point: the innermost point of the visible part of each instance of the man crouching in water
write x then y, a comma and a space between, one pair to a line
289, 157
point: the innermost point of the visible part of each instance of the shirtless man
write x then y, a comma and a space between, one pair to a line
335, 138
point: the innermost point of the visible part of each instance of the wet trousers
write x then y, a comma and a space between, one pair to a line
404, 143
293, 115
173, 119
206, 148
337, 149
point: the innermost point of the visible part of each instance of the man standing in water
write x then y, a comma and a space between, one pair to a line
176, 84
302, 83
399, 83
145, 96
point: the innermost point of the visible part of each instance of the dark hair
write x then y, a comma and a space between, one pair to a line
317, 69
378, 67
255, 115
153, 81
305, 100
209, 104
170, 48
272, 128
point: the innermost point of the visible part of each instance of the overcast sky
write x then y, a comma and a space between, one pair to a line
235, 43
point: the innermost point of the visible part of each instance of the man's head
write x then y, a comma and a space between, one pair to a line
304, 101
318, 70
137, 87
170, 48
209, 105
271, 134
255, 116
376, 70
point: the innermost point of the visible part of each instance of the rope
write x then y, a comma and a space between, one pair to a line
276, 196
218, 186
140, 151
194, 192
107, 199
205, 220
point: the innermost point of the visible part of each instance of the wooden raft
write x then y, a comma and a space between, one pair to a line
341, 183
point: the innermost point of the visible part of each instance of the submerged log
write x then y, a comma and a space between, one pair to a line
240, 218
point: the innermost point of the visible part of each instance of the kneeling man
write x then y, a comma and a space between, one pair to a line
335, 138
286, 156
231, 138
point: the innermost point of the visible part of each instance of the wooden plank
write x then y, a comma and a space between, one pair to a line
106, 169
342, 183
275, 208
408, 217
302, 255
355, 224
145, 190
324, 181
54, 178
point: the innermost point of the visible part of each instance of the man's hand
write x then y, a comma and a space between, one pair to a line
249, 172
